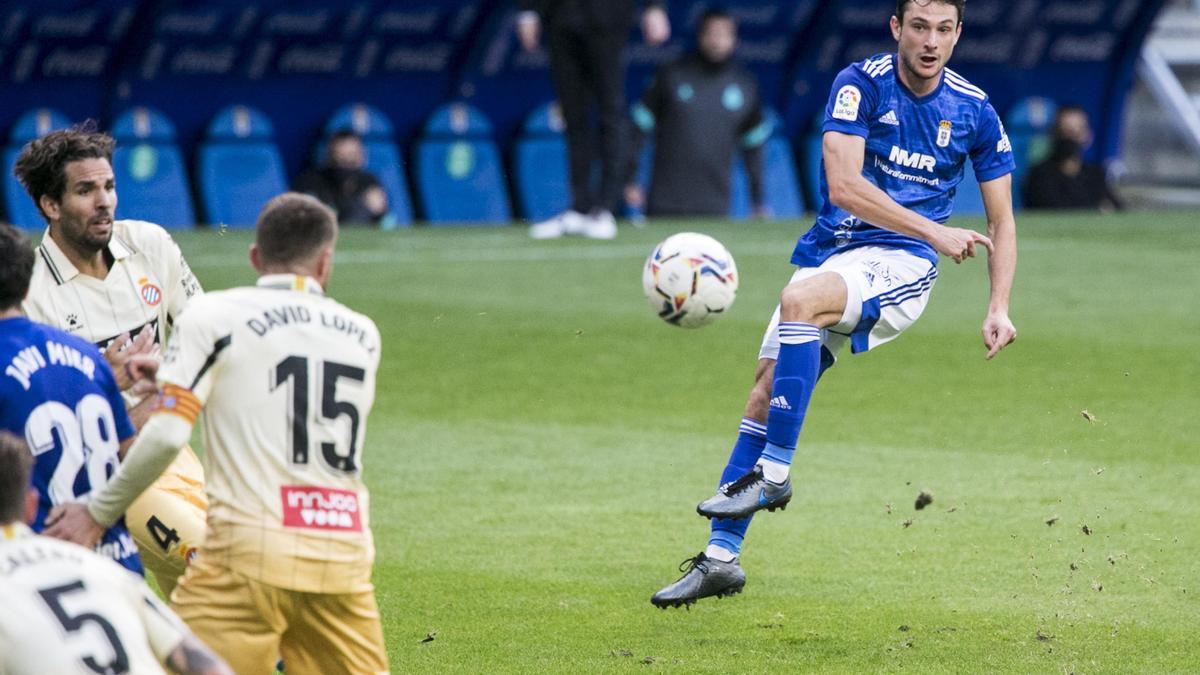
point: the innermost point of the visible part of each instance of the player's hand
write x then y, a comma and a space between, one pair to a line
529, 32
656, 27
121, 350
958, 243
998, 333
74, 523
143, 369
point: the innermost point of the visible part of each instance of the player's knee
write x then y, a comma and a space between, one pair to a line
798, 303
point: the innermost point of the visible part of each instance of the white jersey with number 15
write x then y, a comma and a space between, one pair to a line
286, 378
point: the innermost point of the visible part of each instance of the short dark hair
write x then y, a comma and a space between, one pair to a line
713, 14
16, 266
292, 228
40, 166
15, 464
901, 5
344, 135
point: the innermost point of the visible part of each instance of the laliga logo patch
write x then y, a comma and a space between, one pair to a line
845, 105
943, 137
150, 293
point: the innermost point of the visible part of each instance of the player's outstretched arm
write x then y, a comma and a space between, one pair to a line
844, 155
998, 329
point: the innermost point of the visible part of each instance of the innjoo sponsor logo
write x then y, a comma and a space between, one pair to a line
320, 508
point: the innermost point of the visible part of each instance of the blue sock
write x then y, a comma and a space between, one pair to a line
752, 437
796, 374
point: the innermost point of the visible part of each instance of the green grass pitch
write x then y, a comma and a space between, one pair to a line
540, 440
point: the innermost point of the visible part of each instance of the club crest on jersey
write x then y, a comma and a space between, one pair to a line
845, 105
150, 293
943, 137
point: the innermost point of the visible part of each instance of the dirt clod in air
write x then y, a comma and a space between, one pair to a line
924, 499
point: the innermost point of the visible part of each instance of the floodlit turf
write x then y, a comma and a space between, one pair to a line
540, 440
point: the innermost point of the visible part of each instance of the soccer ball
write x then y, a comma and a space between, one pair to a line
690, 279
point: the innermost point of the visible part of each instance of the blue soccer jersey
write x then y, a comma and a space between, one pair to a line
58, 393
915, 152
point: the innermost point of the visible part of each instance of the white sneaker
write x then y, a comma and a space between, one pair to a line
600, 225
567, 222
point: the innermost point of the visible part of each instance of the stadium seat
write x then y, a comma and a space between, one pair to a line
460, 178
1028, 126
540, 161
152, 180
240, 167
36, 123
383, 156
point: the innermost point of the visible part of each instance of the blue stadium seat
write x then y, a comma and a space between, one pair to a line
240, 167
36, 123
1028, 126
459, 174
383, 156
152, 180
540, 162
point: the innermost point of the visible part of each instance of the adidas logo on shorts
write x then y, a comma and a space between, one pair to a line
781, 403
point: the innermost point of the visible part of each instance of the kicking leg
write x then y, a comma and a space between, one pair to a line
806, 307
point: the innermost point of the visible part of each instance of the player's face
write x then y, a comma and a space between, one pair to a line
927, 37
718, 40
84, 215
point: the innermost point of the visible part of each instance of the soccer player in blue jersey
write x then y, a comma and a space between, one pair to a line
898, 130
59, 394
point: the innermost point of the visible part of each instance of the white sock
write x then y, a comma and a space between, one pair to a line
719, 553
774, 471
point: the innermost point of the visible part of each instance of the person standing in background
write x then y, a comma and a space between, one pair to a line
1063, 180
701, 109
586, 40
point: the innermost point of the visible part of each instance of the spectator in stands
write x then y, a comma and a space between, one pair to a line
700, 110
586, 40
1063, 180
343, 184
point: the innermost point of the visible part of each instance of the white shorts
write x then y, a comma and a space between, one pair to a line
887, 289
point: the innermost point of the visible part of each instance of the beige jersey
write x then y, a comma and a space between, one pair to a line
68, 610
286, 377
149, 284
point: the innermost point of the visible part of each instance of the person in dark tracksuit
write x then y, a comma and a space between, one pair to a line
700, 110
586, 40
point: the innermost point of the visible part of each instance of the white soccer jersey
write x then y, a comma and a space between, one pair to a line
149, 284
286, 377
67, 610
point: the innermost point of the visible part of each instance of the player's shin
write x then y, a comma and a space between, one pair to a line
725, 542
796, 374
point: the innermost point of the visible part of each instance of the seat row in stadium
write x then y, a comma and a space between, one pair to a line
458, 174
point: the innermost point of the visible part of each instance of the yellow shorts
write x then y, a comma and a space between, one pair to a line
252, 624
167, 521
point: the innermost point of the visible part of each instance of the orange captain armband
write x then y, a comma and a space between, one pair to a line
178, 400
